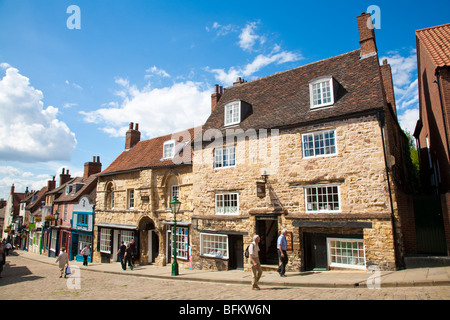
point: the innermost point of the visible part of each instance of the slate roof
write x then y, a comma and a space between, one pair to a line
436, 41
148, 154
89, 185
283, 99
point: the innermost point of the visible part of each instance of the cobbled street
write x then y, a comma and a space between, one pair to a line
28, 279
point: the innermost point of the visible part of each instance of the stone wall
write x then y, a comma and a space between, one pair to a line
151, 203
358, 168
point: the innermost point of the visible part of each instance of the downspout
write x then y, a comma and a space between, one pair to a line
381, 122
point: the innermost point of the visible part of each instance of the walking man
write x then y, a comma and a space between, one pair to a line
282, 254
253, 251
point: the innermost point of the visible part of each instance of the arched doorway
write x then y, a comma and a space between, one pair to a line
149, 241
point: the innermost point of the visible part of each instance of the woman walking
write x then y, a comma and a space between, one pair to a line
63, 259
86, 252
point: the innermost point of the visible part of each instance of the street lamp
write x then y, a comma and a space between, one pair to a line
175, 208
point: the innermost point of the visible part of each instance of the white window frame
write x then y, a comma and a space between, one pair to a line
126, 236
182, 249
214, 245
337, 257
220, 198
130, 198
225, 157
310, 205
321, 82
105, 240
174, 190
53, 240
318, 137
232, 113
169, 149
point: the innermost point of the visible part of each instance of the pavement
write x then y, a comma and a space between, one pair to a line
418, 277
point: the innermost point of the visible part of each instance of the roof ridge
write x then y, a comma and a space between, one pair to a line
439, 26
289, 70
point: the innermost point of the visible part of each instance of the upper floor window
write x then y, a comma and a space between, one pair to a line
130, 198
169, 149
321, 92
225, 157
319, 143
232, 113
227, 203
322, 198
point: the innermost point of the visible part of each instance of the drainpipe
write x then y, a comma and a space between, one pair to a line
381, 122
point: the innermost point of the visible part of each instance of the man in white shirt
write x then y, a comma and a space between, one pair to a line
282, 254
253, 251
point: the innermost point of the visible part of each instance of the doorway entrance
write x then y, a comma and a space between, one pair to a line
267, 229
149, 239
236, 252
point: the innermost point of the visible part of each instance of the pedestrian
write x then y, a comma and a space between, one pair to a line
282, 254
121, 253
128, 257
133, 250
2, 259
253, 251
63, 259
86, 252
8, 247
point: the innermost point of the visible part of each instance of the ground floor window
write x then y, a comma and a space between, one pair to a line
126, 236
182, 237
105, 240
53, 240
346, 253
214, 245
83, 240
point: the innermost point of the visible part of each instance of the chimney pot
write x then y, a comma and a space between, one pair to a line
132, 137
215, 97
366, 35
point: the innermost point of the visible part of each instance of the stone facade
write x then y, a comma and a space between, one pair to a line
358, 168
151, 213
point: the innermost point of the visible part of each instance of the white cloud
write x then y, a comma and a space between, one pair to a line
408, 119
158, 111
157, 71
248, 38
73, 84
404, 77
222, 30
259, 62
28, 131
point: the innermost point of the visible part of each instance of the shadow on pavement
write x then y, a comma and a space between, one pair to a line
15, 274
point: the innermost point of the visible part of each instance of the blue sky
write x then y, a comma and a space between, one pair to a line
67, 95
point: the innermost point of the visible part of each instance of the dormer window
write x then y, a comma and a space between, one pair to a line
321, 91
169, 149
232, 113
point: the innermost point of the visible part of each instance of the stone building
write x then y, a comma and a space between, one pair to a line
133, 196
316, 150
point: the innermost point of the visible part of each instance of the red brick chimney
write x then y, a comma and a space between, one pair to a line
51, 184
215, 97
388, 85
64, 177
132, 136
92, 167
366, 35
12, 189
